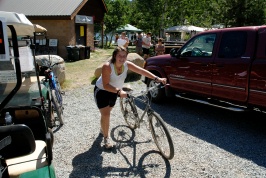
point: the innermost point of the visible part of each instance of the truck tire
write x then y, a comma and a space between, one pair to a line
157, 95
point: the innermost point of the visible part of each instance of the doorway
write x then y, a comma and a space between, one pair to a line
81, 34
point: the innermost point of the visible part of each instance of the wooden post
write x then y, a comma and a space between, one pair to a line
102, 31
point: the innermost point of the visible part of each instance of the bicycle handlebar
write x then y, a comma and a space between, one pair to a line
157, 86
57, 63
49, 68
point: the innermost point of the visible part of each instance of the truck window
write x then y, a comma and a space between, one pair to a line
233, 44
199, 46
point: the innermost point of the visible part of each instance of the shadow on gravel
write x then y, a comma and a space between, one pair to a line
90, 163
143, 166
242, 134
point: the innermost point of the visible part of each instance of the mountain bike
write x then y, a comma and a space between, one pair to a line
155, 123
52, 83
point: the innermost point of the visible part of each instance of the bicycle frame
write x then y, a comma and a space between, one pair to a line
51, 82
145, 100
50, 78
154, 123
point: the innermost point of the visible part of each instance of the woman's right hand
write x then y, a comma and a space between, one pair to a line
123, 94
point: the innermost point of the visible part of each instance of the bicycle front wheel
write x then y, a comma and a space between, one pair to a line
161, 135
57, 107
129, 112
49, 111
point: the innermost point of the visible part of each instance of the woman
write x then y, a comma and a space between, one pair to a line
110, 83
138, 43
123, 40
146, 45
159, 48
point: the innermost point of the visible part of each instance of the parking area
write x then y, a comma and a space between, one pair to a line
209, 142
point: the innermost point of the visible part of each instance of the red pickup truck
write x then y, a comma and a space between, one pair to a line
223, 67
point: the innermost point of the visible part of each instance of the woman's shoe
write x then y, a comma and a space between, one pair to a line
108, 143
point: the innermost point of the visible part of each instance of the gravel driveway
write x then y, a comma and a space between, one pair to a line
209, 142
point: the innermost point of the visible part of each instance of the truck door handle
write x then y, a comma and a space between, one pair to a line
219, 66
204, 65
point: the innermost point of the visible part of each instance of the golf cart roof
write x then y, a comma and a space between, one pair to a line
20, 22
18, 84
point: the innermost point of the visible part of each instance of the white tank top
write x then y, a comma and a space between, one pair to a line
121, 42
115, 80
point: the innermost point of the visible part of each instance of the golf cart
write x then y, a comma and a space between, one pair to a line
25, 140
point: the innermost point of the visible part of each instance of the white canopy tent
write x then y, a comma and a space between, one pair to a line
128, 28
184, 28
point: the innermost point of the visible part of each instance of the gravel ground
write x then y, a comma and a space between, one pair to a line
209, 142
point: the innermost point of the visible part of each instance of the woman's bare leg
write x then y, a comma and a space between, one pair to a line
105, 120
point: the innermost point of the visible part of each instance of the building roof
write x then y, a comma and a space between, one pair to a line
43, 7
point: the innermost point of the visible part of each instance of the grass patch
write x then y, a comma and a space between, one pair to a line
81, 72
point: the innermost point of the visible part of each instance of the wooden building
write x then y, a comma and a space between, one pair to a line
68, 22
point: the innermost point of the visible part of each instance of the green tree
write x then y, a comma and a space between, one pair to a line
233, 13
148, 15
155, 15
255, 12
115, 17
152, 15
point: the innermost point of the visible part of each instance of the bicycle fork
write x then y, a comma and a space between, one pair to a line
148, 121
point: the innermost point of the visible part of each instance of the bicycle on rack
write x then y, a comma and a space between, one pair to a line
155, 124
52, 83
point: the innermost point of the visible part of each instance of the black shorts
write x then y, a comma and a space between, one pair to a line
104, 98
146, 51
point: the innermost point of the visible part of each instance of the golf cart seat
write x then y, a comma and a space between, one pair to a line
31, 116
31, 154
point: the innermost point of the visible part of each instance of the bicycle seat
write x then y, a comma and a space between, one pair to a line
127, 89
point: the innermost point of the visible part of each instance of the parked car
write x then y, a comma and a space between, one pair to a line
223, 67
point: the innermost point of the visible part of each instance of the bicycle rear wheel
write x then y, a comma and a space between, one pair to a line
57, 107
59, 92
129, 112
58, 86
161, 135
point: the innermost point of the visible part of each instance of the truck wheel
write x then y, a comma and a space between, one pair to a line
156, 95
